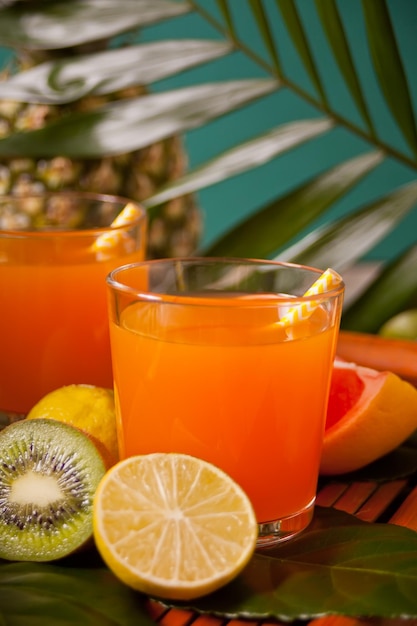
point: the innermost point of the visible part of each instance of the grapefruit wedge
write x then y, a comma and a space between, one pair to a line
370, 413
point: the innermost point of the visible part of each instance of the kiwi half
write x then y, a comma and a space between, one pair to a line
49, 472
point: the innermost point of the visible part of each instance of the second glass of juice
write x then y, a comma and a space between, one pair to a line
204, 365
55, 253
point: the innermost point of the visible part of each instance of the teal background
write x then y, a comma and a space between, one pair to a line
226, 203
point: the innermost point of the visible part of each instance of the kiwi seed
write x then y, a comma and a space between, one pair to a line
49, 472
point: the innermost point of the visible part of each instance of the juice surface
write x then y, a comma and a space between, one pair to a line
54, 324
230, 387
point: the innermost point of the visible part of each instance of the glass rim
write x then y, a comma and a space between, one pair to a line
153, 296
55, 231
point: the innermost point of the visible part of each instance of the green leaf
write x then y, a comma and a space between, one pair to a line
57, 24
248, 155
343, 242
337, 567
69, 79
335, 33
295, 28
389, 68
266, 33
32, 594
127, 125
389, 294
225, 11
277, 223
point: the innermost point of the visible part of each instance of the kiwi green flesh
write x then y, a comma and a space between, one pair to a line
49, 472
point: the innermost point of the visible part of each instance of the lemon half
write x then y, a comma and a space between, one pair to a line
172, 525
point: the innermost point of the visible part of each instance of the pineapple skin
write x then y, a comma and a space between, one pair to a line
174, 230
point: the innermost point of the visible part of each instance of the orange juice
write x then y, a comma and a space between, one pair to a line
53, 310
222, 381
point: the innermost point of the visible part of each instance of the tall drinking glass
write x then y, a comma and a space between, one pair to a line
54, 258
203, 365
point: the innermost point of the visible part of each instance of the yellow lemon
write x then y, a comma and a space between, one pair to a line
89, 408
172, 525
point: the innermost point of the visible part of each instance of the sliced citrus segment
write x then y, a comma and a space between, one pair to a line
370, 413
172, 525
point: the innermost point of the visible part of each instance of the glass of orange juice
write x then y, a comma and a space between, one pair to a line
54, 258
210, 360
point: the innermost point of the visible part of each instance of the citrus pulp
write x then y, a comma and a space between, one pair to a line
172, 525
370, 413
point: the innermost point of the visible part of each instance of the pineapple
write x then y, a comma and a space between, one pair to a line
175, 231
176, 227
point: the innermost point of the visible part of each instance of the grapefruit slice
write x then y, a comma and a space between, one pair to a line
370, 413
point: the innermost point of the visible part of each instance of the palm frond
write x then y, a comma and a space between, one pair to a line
49, 25
334, 30
393, 290
342, 243
309, 202
244, 157
283, 219
134, 123
297, 32
267, 34
72, 78
389, 69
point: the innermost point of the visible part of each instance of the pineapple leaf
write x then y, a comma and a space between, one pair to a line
72, 78
246, 156
277, 223
342, 242
131, 124
57, 24
392, 291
